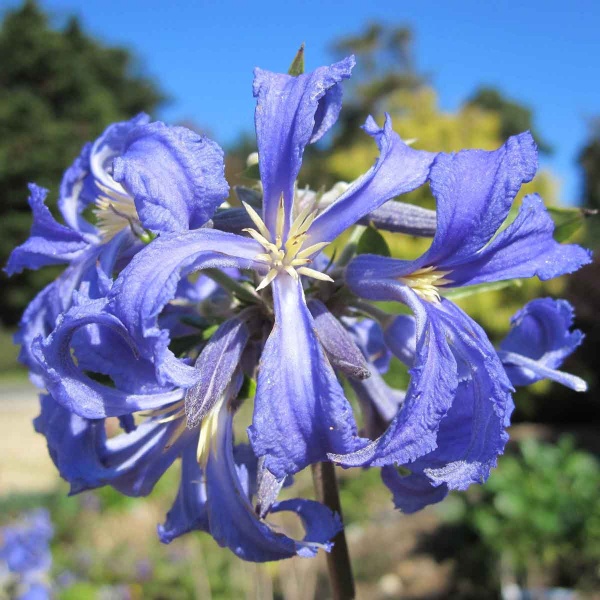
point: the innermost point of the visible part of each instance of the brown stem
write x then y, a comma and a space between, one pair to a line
338, 560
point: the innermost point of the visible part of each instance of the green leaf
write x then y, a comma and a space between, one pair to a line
372, 242
568, 221
469, 290
297, 66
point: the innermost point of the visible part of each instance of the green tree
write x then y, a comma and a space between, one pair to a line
59, 88
589, 161
514, 117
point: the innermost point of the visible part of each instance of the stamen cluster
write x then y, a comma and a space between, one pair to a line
288, 256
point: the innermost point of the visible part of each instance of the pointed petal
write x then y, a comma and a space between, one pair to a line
412, 492
233, 521
541, 332
292, 112
150, 281
399, 169
49, 243
216, 365
474, 191
338, 344
300, 412
525, 248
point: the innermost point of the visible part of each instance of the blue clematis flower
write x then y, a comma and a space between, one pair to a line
129, 199
176, 347
312, 418
539, 340
452, 422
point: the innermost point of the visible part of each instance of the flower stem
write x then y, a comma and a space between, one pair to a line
338, 560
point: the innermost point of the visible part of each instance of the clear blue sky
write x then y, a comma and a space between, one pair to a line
543, 54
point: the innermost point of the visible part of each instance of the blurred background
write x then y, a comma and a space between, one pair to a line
452, 77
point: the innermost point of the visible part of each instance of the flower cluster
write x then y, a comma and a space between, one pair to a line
175, 308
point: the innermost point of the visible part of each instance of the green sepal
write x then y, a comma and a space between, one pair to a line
372, 242
568, 221
297, 66
469, 290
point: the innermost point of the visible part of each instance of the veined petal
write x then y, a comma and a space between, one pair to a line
216, 366
175, 176
474, 190
150, 281
525, 248
398, 169
434, 379
130, 462
541, 332
473, 433
292, 112
233, 521
49, 242
74, 389
300, 412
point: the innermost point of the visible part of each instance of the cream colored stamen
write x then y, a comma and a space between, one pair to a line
114, 211
426, 281
288, 255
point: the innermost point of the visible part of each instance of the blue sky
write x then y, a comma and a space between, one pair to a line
544, 54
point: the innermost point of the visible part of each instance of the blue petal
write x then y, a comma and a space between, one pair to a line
150, 281
434, 380
175, 175
49, 242
130, 462
189, 512
474, 191
300, 412
401, 338
398, 169
412, 492
79, 186
216, 366
292, 112
337, 342
369, 338
525, 248
379, 403
74, 389
233, 521
539, 341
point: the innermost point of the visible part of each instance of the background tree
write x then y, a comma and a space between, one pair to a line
59, 87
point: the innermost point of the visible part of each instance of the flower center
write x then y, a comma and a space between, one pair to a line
114, 211
425, 282
289, 255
